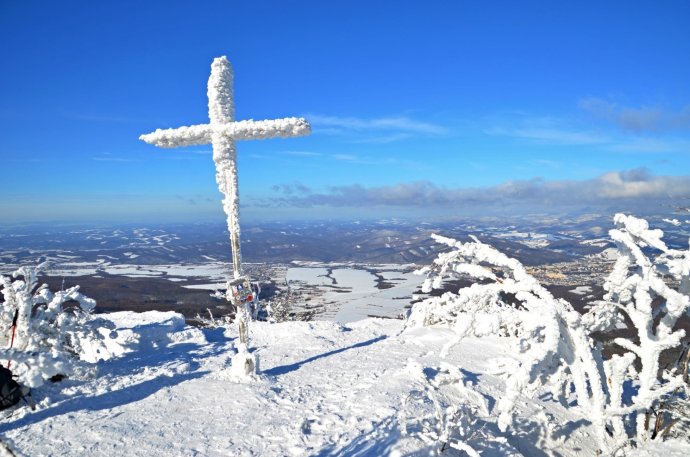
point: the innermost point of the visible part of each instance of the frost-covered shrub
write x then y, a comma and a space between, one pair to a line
280, 306
211, 321
640, 288
558, 351
51, 336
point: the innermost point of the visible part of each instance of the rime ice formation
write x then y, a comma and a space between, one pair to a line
240, 130
49, 340
221, 132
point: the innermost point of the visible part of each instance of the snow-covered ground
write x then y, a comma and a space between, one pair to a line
533, 240
325, 390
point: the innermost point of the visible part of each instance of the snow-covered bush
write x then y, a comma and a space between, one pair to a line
53, 330
280, 306
211, 321
556, 344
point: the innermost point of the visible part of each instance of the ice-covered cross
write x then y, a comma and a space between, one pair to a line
221, 132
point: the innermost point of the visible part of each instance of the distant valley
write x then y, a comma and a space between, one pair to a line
366, 265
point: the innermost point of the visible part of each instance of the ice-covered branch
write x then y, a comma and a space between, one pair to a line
556, 344
484, 308
635, 285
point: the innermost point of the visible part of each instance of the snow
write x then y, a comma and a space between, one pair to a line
214, 271
325, 389
609, 254
598, 242
581, 290
350, 292
675, 222
74, 269
670, 448
531, 239
361, 283
211, 286
312, 276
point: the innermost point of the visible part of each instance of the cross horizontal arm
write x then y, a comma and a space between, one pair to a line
241, 130
182, 136
260, 130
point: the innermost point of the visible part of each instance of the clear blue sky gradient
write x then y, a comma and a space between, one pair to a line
457, 95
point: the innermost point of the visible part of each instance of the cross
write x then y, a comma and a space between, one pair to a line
221, 132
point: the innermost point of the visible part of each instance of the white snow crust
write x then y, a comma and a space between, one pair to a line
325, 389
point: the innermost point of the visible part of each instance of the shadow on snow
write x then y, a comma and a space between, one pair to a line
104, 401
284, 369
378, 442
148, 355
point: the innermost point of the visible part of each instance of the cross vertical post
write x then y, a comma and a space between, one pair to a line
221, 110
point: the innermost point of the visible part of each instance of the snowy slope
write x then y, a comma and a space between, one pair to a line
325, 390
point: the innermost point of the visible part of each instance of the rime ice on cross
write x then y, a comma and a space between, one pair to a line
221, 132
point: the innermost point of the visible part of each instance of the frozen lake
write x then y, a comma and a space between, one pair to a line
355, 292
332, 291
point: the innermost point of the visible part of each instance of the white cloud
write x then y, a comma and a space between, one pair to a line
552, 135
643, 131
625, 189
650, 145
108, 157
355, 159
638, 119
108, 118
301, 153
374, 130
385, 138
345, 157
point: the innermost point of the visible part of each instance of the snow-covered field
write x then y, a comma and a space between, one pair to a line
324, 390
533, 240
581, 290
350, 293
214, 271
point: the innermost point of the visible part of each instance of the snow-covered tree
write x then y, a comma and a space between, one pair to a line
558, 351
53, 330
640, 288
280, 306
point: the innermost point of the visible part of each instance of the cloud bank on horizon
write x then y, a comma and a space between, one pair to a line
632, 190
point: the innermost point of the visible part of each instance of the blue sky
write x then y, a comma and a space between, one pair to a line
418, 109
